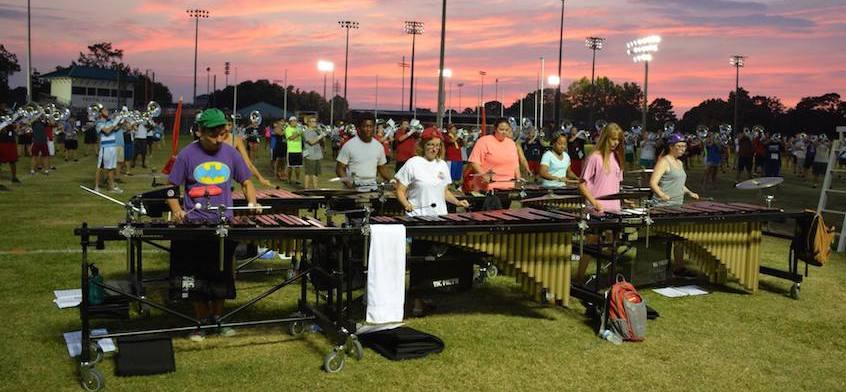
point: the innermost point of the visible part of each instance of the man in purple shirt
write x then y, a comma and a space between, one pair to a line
207, 169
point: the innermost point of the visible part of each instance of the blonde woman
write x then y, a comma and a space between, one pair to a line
602, 173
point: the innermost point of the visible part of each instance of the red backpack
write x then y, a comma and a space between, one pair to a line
627, 311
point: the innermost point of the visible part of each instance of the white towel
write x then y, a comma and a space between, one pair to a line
386, 274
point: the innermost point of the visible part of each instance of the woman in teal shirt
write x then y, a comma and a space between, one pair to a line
555, 164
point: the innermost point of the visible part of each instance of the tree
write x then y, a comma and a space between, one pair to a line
710, 112
8, 66
661, 112
101, 55
817, 114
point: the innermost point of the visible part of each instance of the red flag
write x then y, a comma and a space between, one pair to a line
174, 147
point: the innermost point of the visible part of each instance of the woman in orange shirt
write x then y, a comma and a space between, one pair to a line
495, 158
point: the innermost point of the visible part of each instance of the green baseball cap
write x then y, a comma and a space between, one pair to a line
211, 118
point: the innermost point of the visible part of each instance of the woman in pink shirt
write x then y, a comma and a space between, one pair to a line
496, 154
602, 175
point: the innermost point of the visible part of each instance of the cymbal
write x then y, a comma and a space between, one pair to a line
552, 197
638, 193
640, 171
326, 192
759, 183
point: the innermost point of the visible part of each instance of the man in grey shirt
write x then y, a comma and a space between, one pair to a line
312, 153
363, 156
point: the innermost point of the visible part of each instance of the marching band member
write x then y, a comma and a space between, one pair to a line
207, 169
823, 152
555, 168
602, 173
423, 181
496, 154
668, 179
294, 138
313, 152
454, 143
108, 155
238, 143
364, 157
406, 143
712, 161
8, 149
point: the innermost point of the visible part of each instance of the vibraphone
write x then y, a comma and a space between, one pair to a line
722, 239
533, 245
333, 316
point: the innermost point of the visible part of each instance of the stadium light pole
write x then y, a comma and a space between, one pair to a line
326, 67
28, 52
641, 50
460, 85
403, 65
447, 73
557, 115
414, 28
594, 44
737, 61
196, 14
481, 96
347, 25
440, 117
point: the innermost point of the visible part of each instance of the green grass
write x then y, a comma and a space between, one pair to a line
495, 338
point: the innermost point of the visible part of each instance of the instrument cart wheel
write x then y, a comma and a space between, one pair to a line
333, 362
296, 328
97, 351
794, 291
91, 378
353, 347
491, 271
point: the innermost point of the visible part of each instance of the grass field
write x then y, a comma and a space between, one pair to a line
496, 339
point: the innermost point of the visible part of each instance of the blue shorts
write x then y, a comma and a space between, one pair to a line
455, 170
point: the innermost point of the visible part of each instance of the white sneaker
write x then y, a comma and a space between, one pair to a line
97, 188
32, 172
116, 190
46, 172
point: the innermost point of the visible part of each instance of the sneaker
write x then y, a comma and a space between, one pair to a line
97, 188
197, 336
52, 167
226, 332
32, 172
16, 180
46, 172
116, 190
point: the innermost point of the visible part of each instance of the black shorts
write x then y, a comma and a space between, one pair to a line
200, 259
295, 159
90, 137
71, 144
809, 161
744, 164
280, 150
139, 147
25, 139
818, 168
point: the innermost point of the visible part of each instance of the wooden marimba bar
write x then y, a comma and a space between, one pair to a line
279, 200
532, 245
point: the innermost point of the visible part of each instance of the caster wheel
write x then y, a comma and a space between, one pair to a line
333, 362
296, 328
353, 348
97, 353
794, 291
91, 379
491, 271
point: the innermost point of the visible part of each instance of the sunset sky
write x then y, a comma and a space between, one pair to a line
794, 48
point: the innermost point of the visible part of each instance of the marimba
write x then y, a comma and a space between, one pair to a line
722, 239
533, 245
279, 200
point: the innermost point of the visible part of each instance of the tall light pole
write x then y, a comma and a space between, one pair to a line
482, 89
208, 82
403, 65
496, 90
28, 52
347, 25
414, 28
641, 50
325, 67
460, 85
440, 117
557, 115
737, 62
196, 14
540, 119
594, 44
447, 73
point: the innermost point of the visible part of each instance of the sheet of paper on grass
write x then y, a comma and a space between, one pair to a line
67, 298
681, 291
74, 341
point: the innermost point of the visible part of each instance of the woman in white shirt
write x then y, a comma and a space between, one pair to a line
555, 164
422, 181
